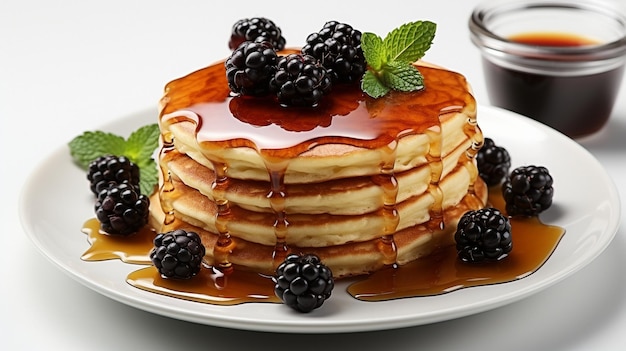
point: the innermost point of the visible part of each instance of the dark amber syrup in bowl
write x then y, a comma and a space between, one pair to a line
576, 105
539, 60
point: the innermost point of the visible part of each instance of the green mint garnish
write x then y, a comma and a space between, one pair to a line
139, 148
390, 60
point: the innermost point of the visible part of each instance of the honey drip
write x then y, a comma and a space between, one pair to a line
436, 274
473, 132
387, 181
134, 248
167, 186
347, 116
277, 196
436, 170
224, 245
442, 272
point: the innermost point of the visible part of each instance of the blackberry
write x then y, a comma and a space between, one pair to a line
484, 234
493, 162
256, 29
303, 282
300, 81
109, 169
528, 191
338, 47
121, 209
250, 68
177, 254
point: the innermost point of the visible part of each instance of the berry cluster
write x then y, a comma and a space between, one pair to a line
303, 282
338, 47
109, 170
484, 234
257, 29
250, 68
527, 191
120, 207
332, 55
177, 254
493, 162
300, 81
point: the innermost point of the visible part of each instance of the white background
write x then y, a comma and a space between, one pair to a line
71, 66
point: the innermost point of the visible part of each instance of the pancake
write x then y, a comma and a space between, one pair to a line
361, 182
306, 229
353, 258
354, 195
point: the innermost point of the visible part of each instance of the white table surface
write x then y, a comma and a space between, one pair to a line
71, 66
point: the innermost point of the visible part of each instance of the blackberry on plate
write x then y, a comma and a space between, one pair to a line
121, 209
300, 81
528, 191
178, 254
493, 162
110, 169
338, 47
256, 29
483, 234
303, 282
250, 67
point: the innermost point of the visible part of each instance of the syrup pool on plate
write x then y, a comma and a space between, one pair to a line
440, 273
227, 284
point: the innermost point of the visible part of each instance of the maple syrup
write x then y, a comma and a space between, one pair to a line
439, 273
345, 117
559, 62
211, 286
133, 248
442, 271
558, 39
279, 135
577, 105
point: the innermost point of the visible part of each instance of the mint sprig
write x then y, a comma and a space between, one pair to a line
390, 60
139, 148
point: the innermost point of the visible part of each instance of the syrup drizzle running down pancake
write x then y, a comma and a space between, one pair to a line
245, 138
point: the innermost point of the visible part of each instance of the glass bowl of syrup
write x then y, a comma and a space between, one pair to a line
559, 62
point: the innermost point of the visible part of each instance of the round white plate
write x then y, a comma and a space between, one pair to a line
56, 201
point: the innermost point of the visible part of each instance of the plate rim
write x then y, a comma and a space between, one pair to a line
150, 302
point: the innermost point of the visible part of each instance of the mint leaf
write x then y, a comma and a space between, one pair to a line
373, 86
142, 143
390, 60
373, 50
139, 148
148, 176
409, 42
91, 145
403, 77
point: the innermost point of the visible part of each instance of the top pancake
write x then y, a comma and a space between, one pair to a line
349, 134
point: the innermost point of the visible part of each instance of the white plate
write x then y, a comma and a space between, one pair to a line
55, 203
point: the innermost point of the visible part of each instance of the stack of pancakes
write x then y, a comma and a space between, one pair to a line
361, 182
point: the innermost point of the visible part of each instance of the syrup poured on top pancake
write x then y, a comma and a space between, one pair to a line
345, 120
346, 116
